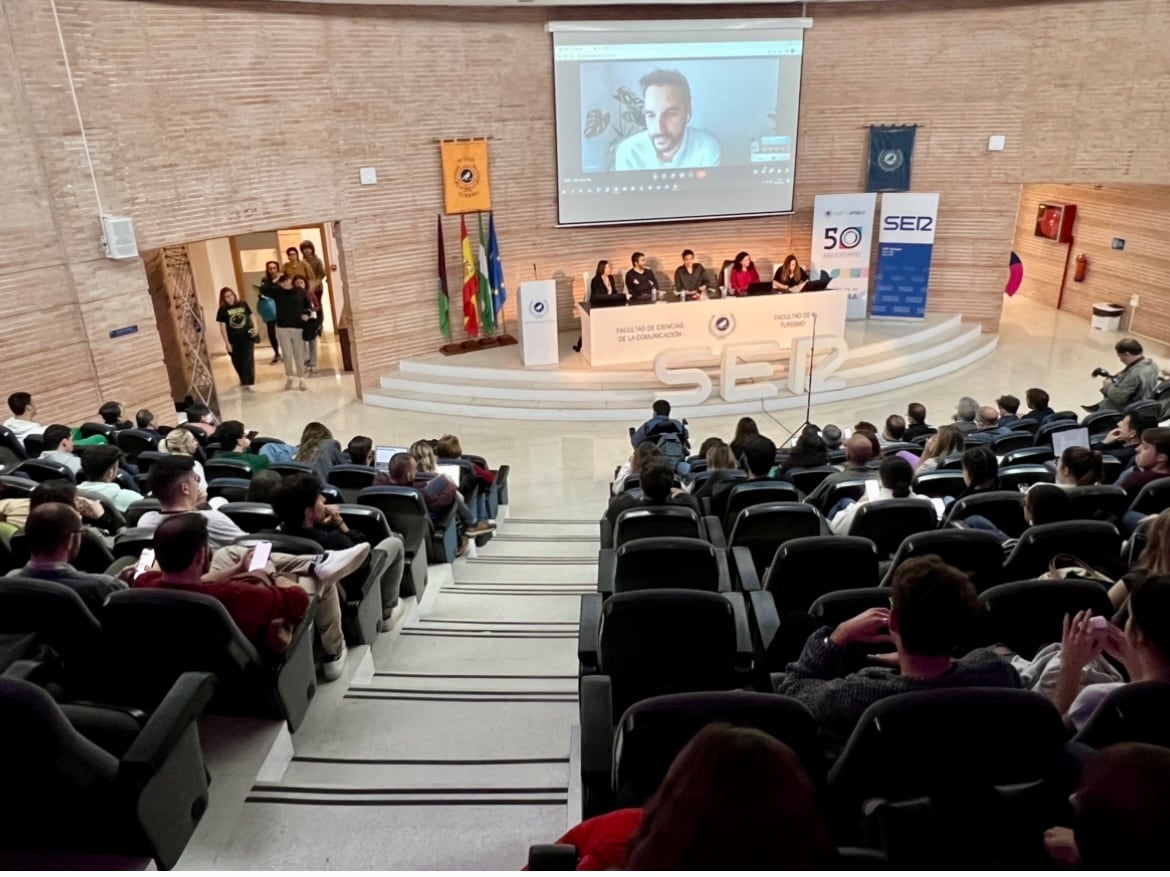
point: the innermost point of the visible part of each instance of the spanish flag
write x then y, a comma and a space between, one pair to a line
470, 284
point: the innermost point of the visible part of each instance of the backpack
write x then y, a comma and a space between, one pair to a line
671, 445
266, 307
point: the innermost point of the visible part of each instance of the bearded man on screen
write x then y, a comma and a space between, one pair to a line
669, 141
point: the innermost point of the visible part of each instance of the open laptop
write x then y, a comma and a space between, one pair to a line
451, 471
1069, 438
819, 284
382, 455
764, 287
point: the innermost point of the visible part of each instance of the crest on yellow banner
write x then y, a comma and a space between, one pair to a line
466, 188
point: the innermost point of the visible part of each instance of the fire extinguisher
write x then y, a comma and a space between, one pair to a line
1082, 266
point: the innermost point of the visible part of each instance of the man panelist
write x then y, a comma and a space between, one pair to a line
641, 286
690, 278
669, 141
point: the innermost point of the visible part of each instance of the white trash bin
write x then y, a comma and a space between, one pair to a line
1106, 316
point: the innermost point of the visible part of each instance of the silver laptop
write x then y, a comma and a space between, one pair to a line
382, 455
451, 471
1069, 438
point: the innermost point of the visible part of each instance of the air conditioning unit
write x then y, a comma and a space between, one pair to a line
118, 237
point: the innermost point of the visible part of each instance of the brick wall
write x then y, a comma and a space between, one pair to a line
215, 118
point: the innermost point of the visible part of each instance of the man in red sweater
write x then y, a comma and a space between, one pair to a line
266, 604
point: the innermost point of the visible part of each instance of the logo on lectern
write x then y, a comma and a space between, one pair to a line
538, 307
721, 325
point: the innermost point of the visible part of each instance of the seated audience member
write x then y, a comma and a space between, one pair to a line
13, 513
1153, 561
449, 448
1143, 649
758, 459
720, 463
859, 450
690, 278
1079, 467
947, 441
832, 436
59, 447
266, 604
659, 424
727, 782
895, 476
980, 470
1151, 462
965, 413
174, 485
865, 426
53, 534
916, 424
989, 427
745, 427
1038, 407
633, 466
93, 513
233, 438
933, 609
1133, 383
1009, 407
894, 431
144, 419
809, 451
1122, 441
424, 458
199, 417
360, 450
657, 488
111, 415
1120, 812
320, 449
22, 423
1043, 504
262, 485
99, 468
438, 494
182, 441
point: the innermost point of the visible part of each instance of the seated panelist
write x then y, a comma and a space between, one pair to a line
690, 278
641, 286
602, 291
789, 275
743, 274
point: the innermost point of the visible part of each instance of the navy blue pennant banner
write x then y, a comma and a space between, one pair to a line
890, 152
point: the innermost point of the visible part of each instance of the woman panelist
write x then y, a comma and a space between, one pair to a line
743, 274
602, 292
789, 275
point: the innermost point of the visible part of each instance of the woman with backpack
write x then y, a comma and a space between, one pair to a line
266, 305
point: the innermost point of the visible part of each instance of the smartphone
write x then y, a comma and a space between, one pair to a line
872, 490
145, 561
260, 553
1098, 622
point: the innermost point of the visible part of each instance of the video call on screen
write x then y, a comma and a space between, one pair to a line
675, 120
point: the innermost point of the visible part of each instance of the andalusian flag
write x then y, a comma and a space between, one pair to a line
487, 315
470, 284
444, 296
495, 270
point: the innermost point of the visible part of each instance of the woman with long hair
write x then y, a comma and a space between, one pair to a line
237, 326
440, 492
1079, 467
1153, 561
810, 450
320, 449
743, 273
745, 428
894, 478
633, 466
183, 441
603, 292
721, 464
268, 290
947, 441
789, 275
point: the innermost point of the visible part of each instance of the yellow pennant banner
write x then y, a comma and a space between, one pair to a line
465, 176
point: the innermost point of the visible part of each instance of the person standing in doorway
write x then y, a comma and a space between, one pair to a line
294, 267
311, 328
238, 327
269, 289
292, 312
310, 257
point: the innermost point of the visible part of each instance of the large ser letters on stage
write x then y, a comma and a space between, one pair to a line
905, 248
841, 243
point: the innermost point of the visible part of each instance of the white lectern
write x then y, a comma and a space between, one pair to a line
538, 323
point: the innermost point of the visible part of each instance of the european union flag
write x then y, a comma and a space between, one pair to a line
890, 152
495, 270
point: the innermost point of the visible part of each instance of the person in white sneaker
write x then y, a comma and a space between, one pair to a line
267, 604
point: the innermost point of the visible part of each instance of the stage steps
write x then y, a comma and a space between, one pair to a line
493, 385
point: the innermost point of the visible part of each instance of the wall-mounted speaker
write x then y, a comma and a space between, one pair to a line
118, 237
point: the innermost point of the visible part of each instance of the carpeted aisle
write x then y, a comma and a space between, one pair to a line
455, 753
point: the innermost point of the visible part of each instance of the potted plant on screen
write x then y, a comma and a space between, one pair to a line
628, 120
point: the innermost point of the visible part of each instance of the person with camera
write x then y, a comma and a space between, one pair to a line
1133, 383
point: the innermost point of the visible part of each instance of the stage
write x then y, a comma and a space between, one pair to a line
493, 384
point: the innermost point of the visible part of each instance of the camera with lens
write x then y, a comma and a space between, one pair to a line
1101, 373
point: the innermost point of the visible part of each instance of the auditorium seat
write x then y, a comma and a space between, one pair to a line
663, 562
11, 449
806, 478
850, 488
1013, 441
1144, 406
1025, 424
1004, 508
251, 517
951, 461
638, 523
260, 441
840, 605
146, 459
1112, 467
67, 794
887, 522
759, 530
945, 778
406, 513
351, 480
1098, 502
131, 541
164, 633
1101, 422
105, 430
93, 556
1133, 713
138, 508
16, 486
37, 615
891, 448
1044, 433
43, 470
133, 442
217, 468
292, 467
755, 493
34, 444
1095, 542
805, 568
976, 552
940, 483
1024, 475
231, 489
366, 520
1153, 498
1026, 615
728, 474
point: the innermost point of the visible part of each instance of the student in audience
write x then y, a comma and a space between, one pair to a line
449, 448
266, 604
1143, 649
1151, 462
895, 476
1043, 504
980, 470
1122, 441
989, 427
182, 441
1038, 407
894, 431
22, 423
965, 412
641, 284
1079, 467
947, 441
633, 466
93, 513
809, 452
743, 274
53, 533
859, 450
721, 465
111, 415
744, 428
1120, 812
758, 458
832, 436
1133, 383
99, 468
13, 513
1009, 407
144, 420
657, 488
424, 458
59, 447
319, 448
932, 611
302, 511
865, 426
174, 485
262, 486
234, 440
360, 450
659, 423
1153, 561
916, 424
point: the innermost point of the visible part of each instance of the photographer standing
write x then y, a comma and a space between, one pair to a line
1133, 383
